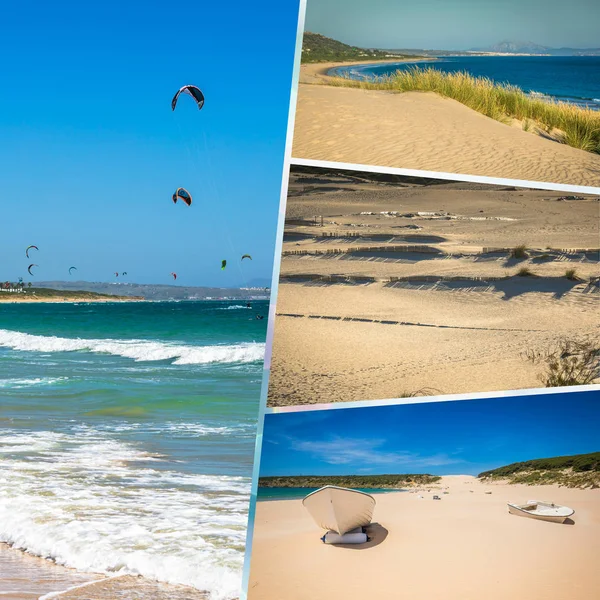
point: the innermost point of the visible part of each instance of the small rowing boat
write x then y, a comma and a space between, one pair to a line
545, 511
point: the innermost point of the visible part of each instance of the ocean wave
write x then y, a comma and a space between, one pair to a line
97, 505
16, 384
138, 350
234, 307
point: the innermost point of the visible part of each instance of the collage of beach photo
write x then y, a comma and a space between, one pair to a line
433, 398
300, 301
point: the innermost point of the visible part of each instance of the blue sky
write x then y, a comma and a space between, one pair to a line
440, 438
455, 24
91, 153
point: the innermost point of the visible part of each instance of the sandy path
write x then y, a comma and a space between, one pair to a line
424, 131
464, 547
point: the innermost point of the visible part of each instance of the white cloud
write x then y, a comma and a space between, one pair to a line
365, 453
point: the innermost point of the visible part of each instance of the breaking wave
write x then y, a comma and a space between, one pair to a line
138, 350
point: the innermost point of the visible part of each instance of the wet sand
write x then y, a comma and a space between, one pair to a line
464, 547
412, 287
26, 577
416, 130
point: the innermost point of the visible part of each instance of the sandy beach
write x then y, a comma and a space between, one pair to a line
466, 546
424, 131
408, 286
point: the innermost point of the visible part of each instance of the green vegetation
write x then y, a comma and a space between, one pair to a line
578, 471
349, 481
569, 362
318, 48
569, 124
519, 252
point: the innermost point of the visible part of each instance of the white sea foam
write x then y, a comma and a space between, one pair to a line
234, 307
99, 505
138, 350
25, 383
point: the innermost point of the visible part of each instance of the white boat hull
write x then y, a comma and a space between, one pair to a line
339, 509
543, 511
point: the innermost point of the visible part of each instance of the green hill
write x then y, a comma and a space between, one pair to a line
579, 470
349, 481
318, 48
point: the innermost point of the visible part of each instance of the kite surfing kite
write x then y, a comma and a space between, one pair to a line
116, 274
72, 269
29, 268
223, 265
246, 256
174, 275
124, 273
183, 195
29, 248
190, 90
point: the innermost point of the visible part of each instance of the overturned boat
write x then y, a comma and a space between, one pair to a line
545, 511
338, 509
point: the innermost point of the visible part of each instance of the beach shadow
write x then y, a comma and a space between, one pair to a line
516, 286
569, 522
376, 535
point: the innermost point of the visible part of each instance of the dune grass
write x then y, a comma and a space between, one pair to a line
569, 362
571, 125
519, 252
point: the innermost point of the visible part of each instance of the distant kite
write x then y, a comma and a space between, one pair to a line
29, 268
174, 275
72, 269
190, 90
124, 273
183, 195
246, 256
223, 265
116, 274
28, 249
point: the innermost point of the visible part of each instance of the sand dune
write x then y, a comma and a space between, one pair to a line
424, 131
412, 288
465, 547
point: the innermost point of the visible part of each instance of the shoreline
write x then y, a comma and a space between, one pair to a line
29, 577
29, 300
312, 73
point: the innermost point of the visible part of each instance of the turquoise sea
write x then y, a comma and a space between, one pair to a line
297, 493
127, 436
574, 79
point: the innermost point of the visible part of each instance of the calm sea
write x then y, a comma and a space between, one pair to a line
574, 79
127, 436
297, 493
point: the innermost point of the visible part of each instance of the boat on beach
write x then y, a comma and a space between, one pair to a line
339, 509
544, 511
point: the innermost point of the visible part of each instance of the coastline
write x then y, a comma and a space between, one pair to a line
468, 539
314, 73
20, 299
427, 132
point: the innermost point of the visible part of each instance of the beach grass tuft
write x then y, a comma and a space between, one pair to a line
571, 274
519, 252
569, 362
572, 125
525, 272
